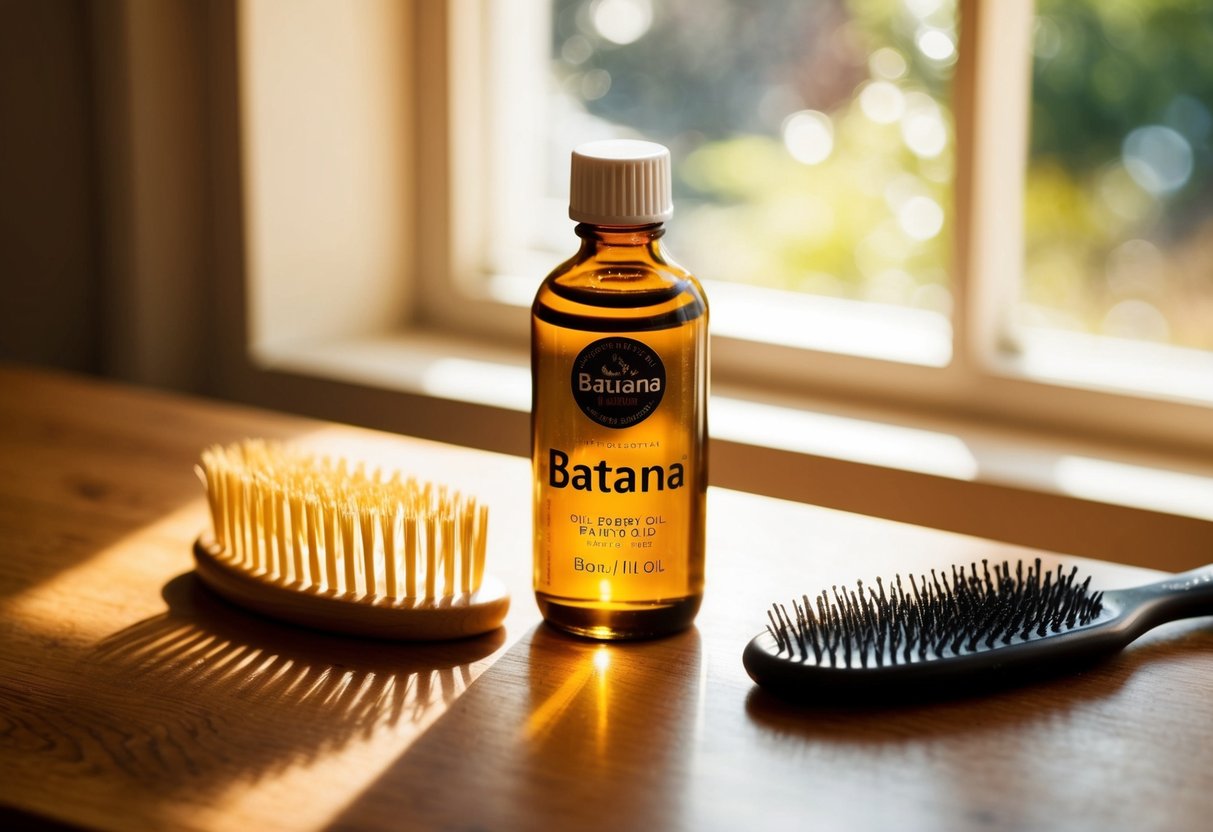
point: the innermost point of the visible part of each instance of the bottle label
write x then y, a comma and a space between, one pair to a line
619, 474
618, 382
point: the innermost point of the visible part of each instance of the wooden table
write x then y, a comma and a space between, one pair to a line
132, 698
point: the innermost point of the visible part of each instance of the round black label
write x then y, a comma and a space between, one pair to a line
618, 382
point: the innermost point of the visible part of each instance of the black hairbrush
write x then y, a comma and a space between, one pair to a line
973, 629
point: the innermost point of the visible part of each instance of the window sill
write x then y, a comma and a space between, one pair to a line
1085, 498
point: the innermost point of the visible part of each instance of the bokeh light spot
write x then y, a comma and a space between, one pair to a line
809, 136
1158, 158
922, 126
920, 217
882, 102
887, 62
622, 21
936, 45
576, 50
595, 84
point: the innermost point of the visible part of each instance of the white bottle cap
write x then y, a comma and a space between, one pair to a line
620, 182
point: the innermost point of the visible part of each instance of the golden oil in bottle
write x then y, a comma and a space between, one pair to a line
619, 368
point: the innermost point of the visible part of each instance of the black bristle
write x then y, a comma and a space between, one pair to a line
814, 632
776, 630
979, 608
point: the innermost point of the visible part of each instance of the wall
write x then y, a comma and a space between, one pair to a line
48, 239
105, 248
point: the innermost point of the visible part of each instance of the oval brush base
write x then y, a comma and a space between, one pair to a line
405, 619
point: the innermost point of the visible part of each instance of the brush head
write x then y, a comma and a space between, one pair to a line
310, 605
955, 630
322, 543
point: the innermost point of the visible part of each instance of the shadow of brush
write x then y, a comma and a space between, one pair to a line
249, 696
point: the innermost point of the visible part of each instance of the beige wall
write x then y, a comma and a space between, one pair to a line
104, 187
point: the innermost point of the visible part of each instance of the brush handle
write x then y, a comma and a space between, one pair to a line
1186, 595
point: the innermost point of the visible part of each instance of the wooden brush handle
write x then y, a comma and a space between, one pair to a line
405, 619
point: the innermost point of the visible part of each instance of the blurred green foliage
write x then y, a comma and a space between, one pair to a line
716, 80
1104, 253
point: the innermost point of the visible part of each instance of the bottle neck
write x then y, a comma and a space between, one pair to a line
620, 265
612, 236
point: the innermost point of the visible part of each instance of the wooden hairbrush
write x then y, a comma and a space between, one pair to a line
315, 542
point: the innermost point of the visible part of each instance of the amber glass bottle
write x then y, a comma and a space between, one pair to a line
619, 367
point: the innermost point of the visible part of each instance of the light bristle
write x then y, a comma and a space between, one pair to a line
326, 526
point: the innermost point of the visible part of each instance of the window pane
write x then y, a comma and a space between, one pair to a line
812, 141
1119, 200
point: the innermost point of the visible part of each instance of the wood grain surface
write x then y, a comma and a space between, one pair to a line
132, 698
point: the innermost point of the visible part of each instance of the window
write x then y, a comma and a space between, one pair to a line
867, 192
882, 192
